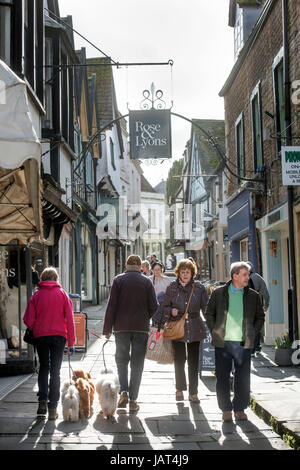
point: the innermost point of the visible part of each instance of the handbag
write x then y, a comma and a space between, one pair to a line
175, 329
158, 348
28, 337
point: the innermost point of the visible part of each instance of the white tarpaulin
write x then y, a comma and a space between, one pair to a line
20, 156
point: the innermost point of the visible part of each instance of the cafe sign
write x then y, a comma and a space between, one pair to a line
290, 158
150, 134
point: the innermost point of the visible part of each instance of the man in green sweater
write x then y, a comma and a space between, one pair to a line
234, 315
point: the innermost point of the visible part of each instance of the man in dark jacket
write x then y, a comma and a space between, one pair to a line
234, 315
257, 283
132, 302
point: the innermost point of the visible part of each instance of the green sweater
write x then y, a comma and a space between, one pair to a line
234, 323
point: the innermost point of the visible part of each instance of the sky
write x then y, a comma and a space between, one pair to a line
193, 33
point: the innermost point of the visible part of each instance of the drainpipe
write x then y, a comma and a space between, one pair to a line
286, 79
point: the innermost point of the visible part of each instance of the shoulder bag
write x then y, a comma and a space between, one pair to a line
175, 329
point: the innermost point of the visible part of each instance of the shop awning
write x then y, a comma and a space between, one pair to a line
20, 155
199, 245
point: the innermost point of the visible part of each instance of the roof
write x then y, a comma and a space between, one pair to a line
105, 88
247, 46
161, 187
146, 186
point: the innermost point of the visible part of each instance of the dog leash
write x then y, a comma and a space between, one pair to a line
70, 369
101, 352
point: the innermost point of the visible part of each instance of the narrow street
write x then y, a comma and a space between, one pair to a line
161, 424
162, 139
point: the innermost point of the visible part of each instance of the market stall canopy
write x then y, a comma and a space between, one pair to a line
20, 156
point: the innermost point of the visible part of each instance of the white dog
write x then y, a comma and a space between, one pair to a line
70, 401
107, 387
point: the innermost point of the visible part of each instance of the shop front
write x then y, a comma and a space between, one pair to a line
241, 228
20, 220
85, 252
274, 236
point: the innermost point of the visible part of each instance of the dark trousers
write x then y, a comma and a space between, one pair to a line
256, 345
233, 352
131, 348
50, 351
189, 352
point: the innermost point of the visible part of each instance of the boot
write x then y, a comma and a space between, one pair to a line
52, 414
42, 409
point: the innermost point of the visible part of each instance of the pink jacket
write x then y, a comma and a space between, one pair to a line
50, 312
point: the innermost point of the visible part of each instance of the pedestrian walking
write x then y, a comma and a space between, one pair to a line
234, 315
159, 281
178, 294
132, 302
154, 260
159, 319
49, 314
146, 268
257, 283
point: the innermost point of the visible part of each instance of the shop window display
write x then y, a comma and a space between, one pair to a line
13, 301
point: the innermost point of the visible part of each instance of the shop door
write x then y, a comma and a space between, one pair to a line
275, 284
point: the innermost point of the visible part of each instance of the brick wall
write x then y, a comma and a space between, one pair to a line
257, 66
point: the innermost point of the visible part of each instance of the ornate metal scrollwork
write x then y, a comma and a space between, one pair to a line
152, 99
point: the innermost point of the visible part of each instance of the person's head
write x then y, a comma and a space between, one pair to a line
133, 262
49, 274
157, 269
239, 273
186, 270
146, 266
153, 257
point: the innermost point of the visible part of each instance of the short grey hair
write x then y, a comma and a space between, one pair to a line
235, 268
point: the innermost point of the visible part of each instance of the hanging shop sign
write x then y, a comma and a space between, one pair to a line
290, 159
150, 134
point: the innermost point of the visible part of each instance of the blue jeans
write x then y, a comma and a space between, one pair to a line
130, 347
233, 351
50, 350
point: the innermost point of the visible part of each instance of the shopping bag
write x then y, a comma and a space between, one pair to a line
158, 348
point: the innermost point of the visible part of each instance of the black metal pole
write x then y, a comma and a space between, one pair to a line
290, 189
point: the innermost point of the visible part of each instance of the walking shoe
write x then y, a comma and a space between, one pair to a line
52, 414
123, 400
240, 416
42, 409
194, 398
133, 406
179, 396
227, 416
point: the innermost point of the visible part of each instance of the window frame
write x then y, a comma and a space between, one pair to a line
239, 123
279, 119
112, 153
257, 131
7, 34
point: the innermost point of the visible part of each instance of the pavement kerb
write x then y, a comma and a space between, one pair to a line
288, 436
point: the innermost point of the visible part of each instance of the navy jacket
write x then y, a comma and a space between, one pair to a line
132, 302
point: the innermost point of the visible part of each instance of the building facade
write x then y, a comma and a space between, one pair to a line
256, 130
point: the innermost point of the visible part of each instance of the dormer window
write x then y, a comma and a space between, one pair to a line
238, 31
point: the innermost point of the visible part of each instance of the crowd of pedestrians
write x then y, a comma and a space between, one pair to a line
234, 314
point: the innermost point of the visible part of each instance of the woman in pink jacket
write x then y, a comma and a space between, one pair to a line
49, 314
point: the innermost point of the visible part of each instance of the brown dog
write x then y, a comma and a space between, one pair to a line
81, 374
84, 390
